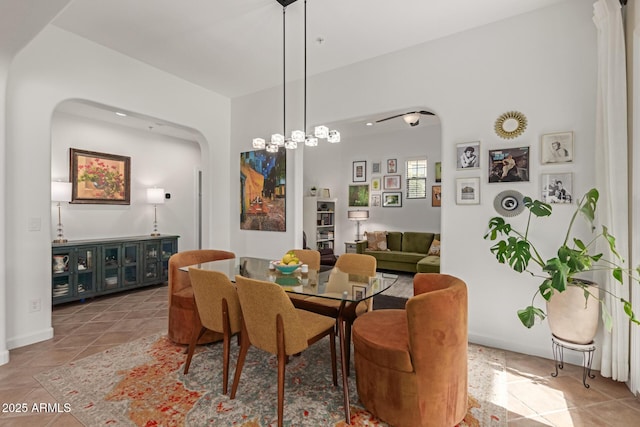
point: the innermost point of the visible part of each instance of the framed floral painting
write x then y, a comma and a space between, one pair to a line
100, 178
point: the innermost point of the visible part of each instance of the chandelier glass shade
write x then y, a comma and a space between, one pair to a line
297, 136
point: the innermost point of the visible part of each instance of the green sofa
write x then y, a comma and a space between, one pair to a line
406, 251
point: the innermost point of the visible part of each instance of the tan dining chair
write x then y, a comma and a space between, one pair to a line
219, 311
411, 365
309, 257
357, 264
312, 259
272, 324
183, 314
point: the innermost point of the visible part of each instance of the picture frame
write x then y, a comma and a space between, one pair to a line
556, 148
325, 193
375, 200
436, 196
392, 166
359, 171
438, 170
468, 191
99, 178
375, 167
392, 182
358, 292
468, 155
509, 165
557, 188
359, 195
260, 209
392, 199
376, 184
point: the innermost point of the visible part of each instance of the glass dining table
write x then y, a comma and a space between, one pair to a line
330, 284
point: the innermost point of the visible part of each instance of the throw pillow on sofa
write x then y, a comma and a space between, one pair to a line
376, 240
434, 249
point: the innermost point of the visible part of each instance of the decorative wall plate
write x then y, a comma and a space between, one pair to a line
509, 203
511, 124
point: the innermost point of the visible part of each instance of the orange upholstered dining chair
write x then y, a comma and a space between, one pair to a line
183, 314
271, 323
312, 259
219, 311
411, 365
359, 264
309, 257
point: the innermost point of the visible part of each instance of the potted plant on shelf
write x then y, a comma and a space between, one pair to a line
313, 191
575, 298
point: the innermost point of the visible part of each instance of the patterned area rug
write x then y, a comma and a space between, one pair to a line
141, 384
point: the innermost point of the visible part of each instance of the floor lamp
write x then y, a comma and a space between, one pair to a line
155, 196
358, 216
60, 192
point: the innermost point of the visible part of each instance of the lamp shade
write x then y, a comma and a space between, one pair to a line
60, 191
358, 215
155, 196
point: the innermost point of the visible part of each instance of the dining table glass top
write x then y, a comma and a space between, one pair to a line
330, 284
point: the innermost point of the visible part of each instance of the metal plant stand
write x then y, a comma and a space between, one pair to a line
587, 351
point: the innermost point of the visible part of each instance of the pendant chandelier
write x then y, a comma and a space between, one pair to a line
297, 136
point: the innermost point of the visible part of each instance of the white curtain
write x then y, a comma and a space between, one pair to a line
611, 173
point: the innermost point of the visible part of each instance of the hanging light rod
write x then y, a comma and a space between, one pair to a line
297, 136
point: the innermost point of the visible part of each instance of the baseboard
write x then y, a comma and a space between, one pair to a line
573, 358
21, 341
4, 357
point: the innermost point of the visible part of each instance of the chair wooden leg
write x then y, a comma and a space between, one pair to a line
192, 347
334, 364
282, 360
226, 339
244, 348
347, 339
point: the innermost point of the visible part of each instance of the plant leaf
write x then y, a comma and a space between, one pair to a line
612, 242
537, 207
528, 316
588, 205
559, 272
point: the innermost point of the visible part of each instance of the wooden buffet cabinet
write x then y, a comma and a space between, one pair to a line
87, 268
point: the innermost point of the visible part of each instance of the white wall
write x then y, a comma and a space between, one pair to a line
4, 353
58, 66
330, 166
156, 161
542, 63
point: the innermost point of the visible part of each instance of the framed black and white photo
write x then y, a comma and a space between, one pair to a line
557, 147
375, 199
360, 171
509, 165
358, 292
557, 187
468, 155
468, 191
392, 199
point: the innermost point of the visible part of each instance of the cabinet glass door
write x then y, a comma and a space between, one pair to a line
85, 270
168, 249
152, 255
61, 274
131, 269
111, 267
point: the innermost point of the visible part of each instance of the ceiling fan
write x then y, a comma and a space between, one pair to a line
411, 118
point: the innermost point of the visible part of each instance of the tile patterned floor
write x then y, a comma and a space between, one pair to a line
81, 329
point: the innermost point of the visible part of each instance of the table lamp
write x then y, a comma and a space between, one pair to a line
155, 196
358, 216
60, 192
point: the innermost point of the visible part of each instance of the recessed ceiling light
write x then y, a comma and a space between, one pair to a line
118, 113
369, 123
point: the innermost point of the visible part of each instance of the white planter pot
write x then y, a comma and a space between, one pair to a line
571, 317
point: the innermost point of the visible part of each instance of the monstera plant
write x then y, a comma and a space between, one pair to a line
563, 269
